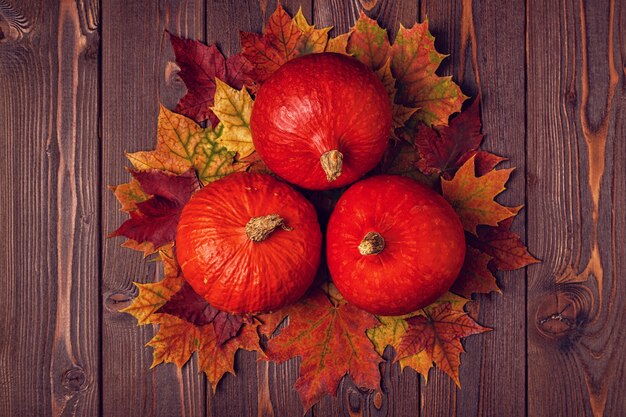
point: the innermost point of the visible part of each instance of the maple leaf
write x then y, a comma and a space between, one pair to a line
155, 219
339, 44
506, 247
199, 66
189, 306
331, 340
414, 61
216, 359
475, 276
174, 342
369, 42
312, 40
401, 158
473, 197
183, 144
392, 329
234, 108
129, 195
438, 332
151, 298
278, 44
443, 151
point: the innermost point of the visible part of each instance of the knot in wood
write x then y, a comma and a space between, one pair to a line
563, 313
74, 379
117, 301
259, 228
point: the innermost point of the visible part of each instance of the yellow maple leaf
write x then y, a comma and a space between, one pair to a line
151, 297
339, 44
312, 40
182, 144
473, 197
233, 108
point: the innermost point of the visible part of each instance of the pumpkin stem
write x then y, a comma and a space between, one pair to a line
332, 161
372, 244
259, 228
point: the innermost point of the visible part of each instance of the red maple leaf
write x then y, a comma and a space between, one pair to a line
155, 219
278, 44
189, 306
331, 340
443, 150
506, 247
199, 66
439, 334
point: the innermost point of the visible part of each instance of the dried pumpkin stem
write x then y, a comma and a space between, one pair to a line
332, 162
372, 244
259, 228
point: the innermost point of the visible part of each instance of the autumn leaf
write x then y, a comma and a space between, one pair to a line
438, 332
199, 66
151, 297
129, 195
475, 276
401, 158
312, 40
369, 42
331, 340
339, 44
216, 359
174, 342
414, 61
391, 330
473, 197
234, 108
278, 44
191, 307
182, 144
155, 219
506, 247
444, 150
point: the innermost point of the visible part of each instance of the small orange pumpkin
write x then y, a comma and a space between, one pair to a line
249, 243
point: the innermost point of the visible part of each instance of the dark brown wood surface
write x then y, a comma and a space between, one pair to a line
80, 83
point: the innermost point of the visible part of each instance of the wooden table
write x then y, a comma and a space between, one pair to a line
80, 83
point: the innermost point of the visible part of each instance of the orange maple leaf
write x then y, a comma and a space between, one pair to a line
473, 197
331, 340
438, 332
393, 328
278, 44
216, 359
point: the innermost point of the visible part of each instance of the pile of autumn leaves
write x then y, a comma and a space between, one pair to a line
332, 337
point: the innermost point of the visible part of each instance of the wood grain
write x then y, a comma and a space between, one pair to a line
576, 297
133, 74
486, 42
80, 85
48, 123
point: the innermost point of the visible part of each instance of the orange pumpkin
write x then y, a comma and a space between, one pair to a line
249, 243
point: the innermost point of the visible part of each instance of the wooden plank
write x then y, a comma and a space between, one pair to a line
49, 322
134, 55
486, 42
576, 105
259, 389
400, 391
